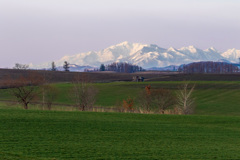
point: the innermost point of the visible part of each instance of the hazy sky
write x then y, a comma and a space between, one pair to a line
39, 31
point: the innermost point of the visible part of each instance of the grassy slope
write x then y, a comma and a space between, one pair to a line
83, 135
212, 97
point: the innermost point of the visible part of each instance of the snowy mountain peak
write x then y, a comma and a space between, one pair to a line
232, 55
211, 49
233, 50
123, 43
172, 49
145, 56
191, 49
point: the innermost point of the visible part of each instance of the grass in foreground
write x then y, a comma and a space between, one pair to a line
29, 134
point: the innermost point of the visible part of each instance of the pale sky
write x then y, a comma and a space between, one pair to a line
40, 31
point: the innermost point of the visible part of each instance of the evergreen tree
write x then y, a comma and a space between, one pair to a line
53, 67
102, 67
66, 66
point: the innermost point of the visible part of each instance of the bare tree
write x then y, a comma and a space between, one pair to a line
156, 99
83, 92
162, 99
24, 88
46, 78
49, 94
185, 101
21, 66
145, 99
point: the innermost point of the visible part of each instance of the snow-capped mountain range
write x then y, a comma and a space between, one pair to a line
146, 56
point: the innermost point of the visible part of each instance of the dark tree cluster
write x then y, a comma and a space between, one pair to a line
122, 67
66, 66
209, 67
21, 66
102, 67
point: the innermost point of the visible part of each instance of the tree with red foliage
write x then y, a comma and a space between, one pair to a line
128, 104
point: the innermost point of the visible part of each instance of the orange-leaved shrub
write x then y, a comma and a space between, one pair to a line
128, 104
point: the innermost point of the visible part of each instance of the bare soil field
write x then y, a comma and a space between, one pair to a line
60, 76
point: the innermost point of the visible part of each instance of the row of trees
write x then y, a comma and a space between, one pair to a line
53, 66
65, 66
116, 66
209, 67
160, 100
122, 67
35, 88
21, 66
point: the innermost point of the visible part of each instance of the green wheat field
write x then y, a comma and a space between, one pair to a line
213, 132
